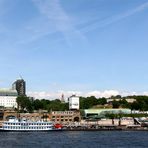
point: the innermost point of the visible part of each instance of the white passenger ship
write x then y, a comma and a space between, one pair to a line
16, 125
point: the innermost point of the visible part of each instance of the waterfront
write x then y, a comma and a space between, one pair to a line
78, 139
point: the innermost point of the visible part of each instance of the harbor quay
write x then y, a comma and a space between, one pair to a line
72, 120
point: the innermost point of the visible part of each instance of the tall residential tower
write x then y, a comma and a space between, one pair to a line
20, 86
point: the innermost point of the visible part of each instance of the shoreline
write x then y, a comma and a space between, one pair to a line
75, 129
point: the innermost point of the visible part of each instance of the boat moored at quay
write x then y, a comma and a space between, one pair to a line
23, 125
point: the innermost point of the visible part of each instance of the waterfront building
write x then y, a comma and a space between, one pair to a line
38, 116
102, 112
8, 98
65, 117
20, 86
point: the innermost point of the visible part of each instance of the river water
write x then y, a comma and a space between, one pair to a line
75, 139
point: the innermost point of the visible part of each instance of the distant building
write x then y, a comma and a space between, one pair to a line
62, 98
8, 98
129, 100
73, 102
20, 86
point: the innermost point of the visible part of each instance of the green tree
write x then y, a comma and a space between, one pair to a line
24, 104
37, 104
102, 101
115, 104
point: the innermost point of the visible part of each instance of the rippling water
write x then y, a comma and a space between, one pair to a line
71, 139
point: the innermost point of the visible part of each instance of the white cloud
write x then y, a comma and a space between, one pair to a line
53, 95
58, 94
106, 93
97, 94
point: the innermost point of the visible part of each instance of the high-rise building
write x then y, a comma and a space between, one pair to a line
20, 86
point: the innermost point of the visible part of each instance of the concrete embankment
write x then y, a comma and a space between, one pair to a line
119, 129
105, 128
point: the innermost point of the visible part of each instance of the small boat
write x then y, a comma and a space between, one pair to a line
58, 126
14, 124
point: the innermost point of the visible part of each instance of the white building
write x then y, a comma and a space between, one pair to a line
74, 103
8, 98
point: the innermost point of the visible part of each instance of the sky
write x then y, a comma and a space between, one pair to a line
82, 47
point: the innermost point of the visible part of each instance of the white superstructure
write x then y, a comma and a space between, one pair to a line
16, 125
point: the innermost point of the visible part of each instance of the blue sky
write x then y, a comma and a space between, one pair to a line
87, 47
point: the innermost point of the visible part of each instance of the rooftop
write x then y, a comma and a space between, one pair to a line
8, 92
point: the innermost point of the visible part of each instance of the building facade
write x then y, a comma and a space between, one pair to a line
65, 117
20, 86
8, 98
73, 103
102, 112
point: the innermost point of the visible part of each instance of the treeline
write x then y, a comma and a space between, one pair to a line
27, 104
140, 102
89, 102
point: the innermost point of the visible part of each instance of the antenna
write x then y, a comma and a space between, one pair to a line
20, 76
